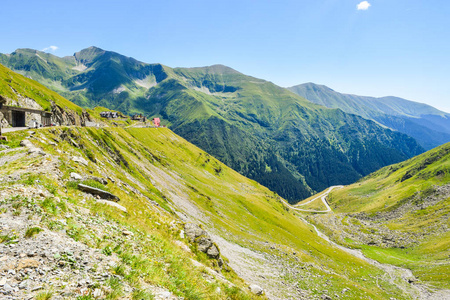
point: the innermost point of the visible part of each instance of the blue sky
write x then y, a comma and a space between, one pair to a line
399, 48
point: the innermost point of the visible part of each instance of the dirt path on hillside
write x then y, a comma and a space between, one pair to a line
401, 277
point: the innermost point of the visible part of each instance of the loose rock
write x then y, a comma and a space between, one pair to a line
256, 289
80, 160
75, 176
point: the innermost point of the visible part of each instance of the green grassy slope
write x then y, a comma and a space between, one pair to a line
29, 88
274, 137
400, 215
430, 126
261, 130
157, 165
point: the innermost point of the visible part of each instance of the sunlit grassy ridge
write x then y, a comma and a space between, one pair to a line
156, 164
152, 257
412, 199
11, 81
385, 189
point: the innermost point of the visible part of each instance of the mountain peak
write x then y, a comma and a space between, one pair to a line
26, 50
215, 69
312, 86
87, 55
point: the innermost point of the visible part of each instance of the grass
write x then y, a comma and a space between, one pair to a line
157, 165
139, 294
31, 89
46, 295
7, 238
32, 231
407, 186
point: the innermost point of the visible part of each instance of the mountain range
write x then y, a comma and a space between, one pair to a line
428, 125
141, 213
265, 132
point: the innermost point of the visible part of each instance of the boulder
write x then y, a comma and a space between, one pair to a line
36, 150
204, 243
256, 290
80, 160
75, 176
213, 252
27, 263
193, 231
103, 194
26, 143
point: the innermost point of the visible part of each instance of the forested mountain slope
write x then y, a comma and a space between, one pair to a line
428, 125
261, 130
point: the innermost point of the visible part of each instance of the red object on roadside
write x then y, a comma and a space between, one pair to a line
156, 121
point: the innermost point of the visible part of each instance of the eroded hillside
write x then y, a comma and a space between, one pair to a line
399, 215
59, 240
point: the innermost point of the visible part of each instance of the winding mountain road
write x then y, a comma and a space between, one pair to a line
398, 276
322, 197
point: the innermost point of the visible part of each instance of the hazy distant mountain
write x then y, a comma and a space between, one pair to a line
265, 132
428, 125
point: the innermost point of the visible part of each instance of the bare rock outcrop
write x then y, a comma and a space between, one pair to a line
201, 238
66, 117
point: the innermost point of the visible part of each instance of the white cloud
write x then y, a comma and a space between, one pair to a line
50, 48
364, 5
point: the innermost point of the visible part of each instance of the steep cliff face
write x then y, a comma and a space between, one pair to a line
68, 117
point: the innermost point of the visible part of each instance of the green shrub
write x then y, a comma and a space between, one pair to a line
120, 270
7, 239
139, 294
31, 231
44, 295
107, 250
49, 205
116, 289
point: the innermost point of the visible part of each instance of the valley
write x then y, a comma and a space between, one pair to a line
98, 208
265, 132
162, 182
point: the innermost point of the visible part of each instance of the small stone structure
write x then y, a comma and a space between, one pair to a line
109, 114
139, 117
24, 113
26, 117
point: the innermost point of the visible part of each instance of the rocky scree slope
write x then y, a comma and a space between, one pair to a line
57, 240
61, 243
259, 129
428, 125
399, 215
